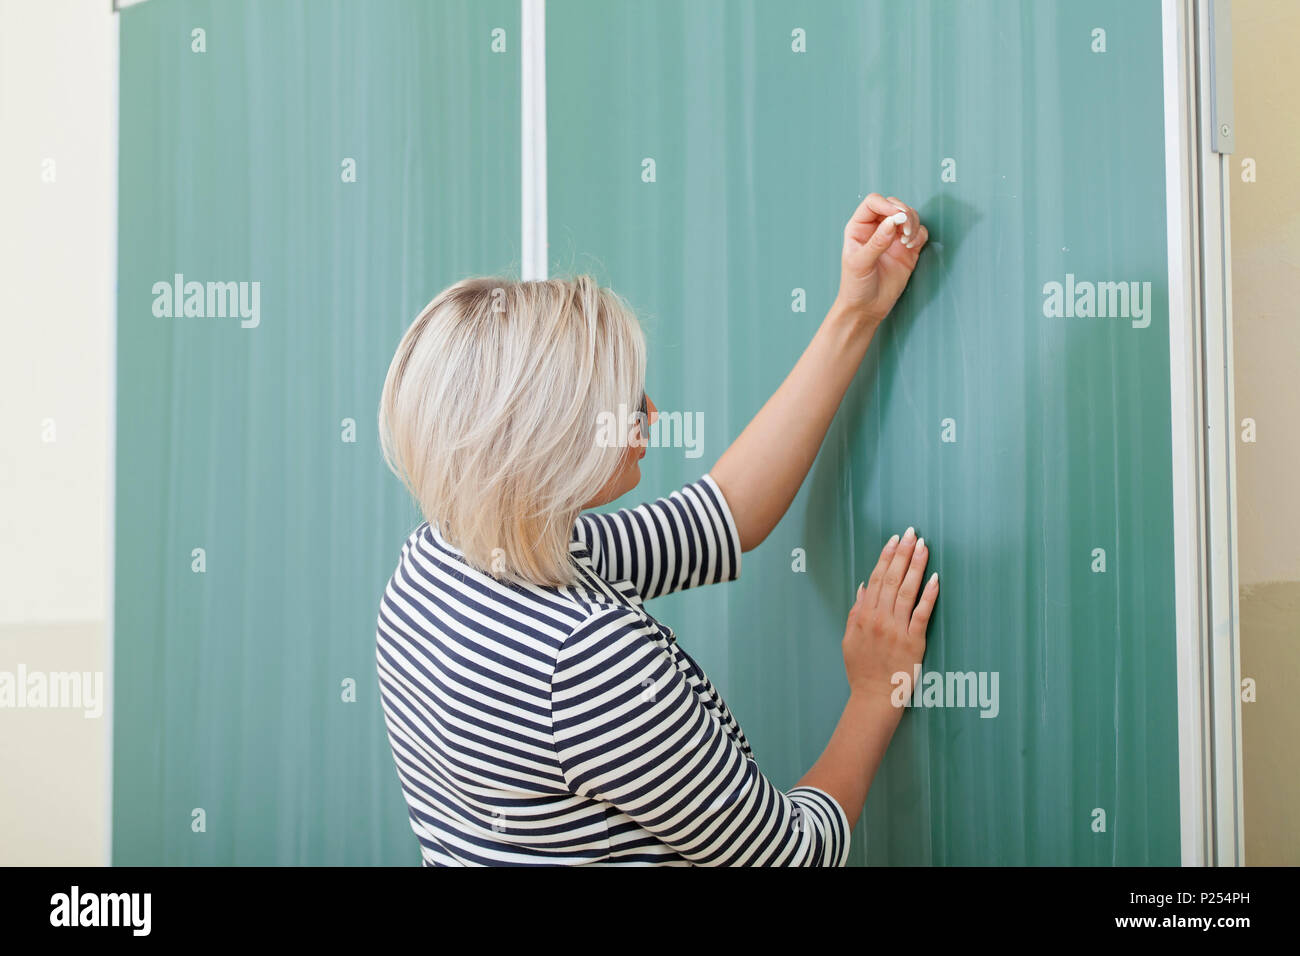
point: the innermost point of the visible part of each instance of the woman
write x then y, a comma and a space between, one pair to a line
537, 713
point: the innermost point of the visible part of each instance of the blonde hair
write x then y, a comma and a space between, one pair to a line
491, 412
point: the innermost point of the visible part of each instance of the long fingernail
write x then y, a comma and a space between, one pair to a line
920, 543
909, 534
892, 541
901, 219
934, 579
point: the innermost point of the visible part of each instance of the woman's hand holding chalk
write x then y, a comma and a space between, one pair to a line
877, 262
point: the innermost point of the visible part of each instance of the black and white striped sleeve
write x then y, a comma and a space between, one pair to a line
629, 730
683, 540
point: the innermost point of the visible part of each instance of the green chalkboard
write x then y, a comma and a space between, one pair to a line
703, 159
354, 158
229, 681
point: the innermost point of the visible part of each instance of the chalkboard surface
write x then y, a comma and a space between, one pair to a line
352, 158
323, 169
703, 159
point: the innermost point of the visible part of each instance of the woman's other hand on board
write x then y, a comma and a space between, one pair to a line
885, 635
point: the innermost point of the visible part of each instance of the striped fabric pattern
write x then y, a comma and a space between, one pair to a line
545, 726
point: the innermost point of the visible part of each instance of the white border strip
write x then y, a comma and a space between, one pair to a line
532, 81
1181, 225
1220, 471
110, 617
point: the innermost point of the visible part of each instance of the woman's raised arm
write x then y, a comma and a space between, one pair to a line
760, 473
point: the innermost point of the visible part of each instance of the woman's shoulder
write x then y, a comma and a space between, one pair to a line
610, 631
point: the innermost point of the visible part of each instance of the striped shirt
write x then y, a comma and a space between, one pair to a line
564, 725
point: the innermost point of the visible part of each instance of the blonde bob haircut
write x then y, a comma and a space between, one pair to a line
491, 415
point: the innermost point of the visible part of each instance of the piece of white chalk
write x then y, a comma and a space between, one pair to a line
899, 218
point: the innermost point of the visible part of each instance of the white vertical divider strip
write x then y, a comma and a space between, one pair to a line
110, 612
1181, 226
1220, 484
532, 78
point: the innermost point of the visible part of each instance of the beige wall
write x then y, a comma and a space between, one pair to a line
1266, 346
58, 91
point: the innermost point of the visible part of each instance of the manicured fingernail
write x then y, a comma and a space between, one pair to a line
909, 534
934, 579
920, 543
861, 586
899, 218
893, 541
